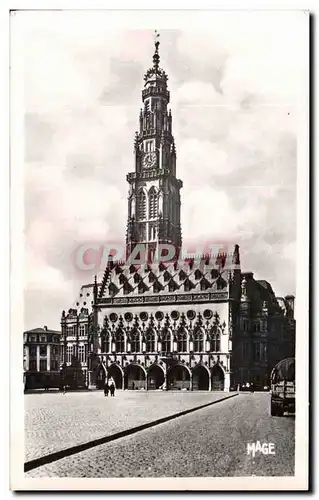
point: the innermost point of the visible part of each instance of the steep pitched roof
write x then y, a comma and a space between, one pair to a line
182, 277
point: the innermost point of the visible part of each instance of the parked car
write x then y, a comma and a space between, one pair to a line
283, 387
248, 387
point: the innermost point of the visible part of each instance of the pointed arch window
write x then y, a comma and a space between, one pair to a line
215, 340
153, 203
166, 341
182, 340
106, 343
152, 231
150, 341
142, 231
198, 340
135, 341
141, 205
120, 341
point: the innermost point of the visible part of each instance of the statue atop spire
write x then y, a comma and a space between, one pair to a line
156, 57
156, 72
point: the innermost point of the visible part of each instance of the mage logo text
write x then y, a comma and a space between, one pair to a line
264, 448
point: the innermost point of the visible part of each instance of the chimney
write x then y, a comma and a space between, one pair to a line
45, 328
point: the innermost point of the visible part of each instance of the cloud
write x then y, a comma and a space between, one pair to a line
234, 97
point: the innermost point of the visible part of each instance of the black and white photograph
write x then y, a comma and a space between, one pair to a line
159, 310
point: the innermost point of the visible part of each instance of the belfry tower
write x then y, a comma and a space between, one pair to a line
154, 191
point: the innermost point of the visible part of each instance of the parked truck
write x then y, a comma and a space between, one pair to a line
283, 387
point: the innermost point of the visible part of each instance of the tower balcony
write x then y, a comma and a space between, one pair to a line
155, 91
152, 131
153, 173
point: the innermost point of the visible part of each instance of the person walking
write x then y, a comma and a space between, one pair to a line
106, 389
112, 389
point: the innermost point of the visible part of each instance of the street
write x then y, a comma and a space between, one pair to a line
208, 442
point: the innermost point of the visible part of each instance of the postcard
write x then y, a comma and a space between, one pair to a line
159, 201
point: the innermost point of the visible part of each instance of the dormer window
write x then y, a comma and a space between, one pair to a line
172, 286
118, 270
142, 287
122, 279
188, 285
214, 274
182, 275
113, 289
161, 266
221, 284
127, 288
198, 274
137, 278
167, 276
151, 277
204, 284
157, 287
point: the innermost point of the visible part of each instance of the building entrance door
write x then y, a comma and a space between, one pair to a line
218, 378
134, 377
115, 372
155, 377
178, 377
200, 378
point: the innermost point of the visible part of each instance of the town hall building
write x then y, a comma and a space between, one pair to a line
197, 323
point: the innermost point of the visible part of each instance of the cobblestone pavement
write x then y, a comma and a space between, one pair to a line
209, 442
54, 421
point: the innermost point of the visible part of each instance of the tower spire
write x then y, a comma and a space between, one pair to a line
154, 192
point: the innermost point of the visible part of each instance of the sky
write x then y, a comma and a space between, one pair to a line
235, 81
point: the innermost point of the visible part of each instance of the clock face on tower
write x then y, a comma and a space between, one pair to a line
149, 160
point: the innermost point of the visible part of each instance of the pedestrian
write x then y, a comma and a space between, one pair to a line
106, 389
64, 389
133, 386
112, 389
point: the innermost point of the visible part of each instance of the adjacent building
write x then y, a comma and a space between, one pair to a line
41, 358
191, 324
